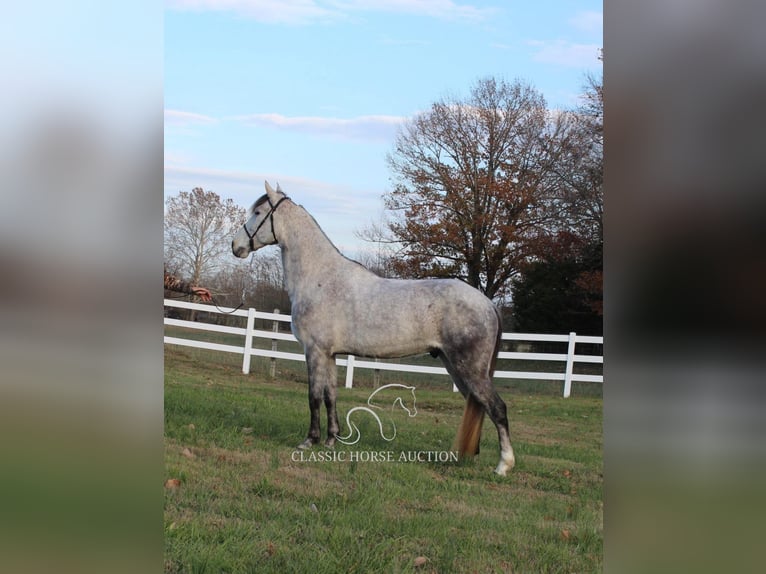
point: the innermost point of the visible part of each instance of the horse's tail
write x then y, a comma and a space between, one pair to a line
469, 432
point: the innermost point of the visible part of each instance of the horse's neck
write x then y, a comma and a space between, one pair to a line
307, 253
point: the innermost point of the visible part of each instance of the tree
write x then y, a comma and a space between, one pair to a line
561, 287
198, 231
561, 290
580, 166
473, 184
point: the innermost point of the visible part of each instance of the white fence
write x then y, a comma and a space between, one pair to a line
249, 332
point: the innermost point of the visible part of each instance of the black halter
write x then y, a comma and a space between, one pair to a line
270, 218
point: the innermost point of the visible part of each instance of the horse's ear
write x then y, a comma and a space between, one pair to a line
279, 189
273, 197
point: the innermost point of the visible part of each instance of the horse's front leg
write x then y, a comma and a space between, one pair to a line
313, 437
322, 388
330, 395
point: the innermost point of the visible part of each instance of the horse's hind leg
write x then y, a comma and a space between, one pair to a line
481, 397
322, 389
497, 411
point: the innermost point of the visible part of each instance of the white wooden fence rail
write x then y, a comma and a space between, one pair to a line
351, 363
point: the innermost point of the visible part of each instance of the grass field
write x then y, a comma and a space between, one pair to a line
239, 500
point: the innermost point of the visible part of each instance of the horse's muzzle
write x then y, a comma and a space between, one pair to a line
240, 251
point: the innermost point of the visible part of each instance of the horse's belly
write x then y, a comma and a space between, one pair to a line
388, 341
384, 350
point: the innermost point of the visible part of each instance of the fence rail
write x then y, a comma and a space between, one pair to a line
249, 332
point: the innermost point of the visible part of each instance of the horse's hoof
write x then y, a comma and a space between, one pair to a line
308, 443
506, 463
330, 443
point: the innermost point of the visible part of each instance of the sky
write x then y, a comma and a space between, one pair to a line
310, 93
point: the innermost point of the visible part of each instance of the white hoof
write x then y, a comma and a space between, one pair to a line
507, 461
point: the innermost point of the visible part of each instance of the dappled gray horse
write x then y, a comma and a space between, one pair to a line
340, 307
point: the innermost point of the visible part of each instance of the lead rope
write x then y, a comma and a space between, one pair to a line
242, 296
212, 299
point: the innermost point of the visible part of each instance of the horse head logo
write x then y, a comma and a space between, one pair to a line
404, 397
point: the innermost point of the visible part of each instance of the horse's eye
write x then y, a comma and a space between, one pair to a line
257, 213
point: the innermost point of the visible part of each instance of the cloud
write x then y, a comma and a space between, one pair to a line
324, 11
266, 11
246, 186
589, 22
363, 128
440, 9
563, 53
391, 41
186, 124
336, 207
177, 118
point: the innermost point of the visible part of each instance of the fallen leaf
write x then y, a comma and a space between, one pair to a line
566, 534
419, 561
191, 426
187, 453
172, 483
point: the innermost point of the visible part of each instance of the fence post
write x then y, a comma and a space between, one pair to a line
570, 364
248, 341
350, 371
273, 361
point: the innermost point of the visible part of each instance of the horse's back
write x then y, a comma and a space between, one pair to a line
395, 317
447, 299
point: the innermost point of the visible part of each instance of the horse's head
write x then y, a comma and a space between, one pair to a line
404, 399
412, 410
258, 230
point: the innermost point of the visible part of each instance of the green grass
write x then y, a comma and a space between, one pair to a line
244, 505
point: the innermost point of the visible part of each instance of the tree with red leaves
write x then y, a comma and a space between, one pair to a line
475, 184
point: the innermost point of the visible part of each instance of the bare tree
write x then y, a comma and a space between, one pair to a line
580, 166
198, 231
380, 256
473, 184
562, 285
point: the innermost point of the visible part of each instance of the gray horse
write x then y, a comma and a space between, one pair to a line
340, 307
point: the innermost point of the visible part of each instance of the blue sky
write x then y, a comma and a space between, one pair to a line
310, 93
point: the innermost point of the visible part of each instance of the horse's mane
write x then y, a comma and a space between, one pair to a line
258, 202
265, 198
